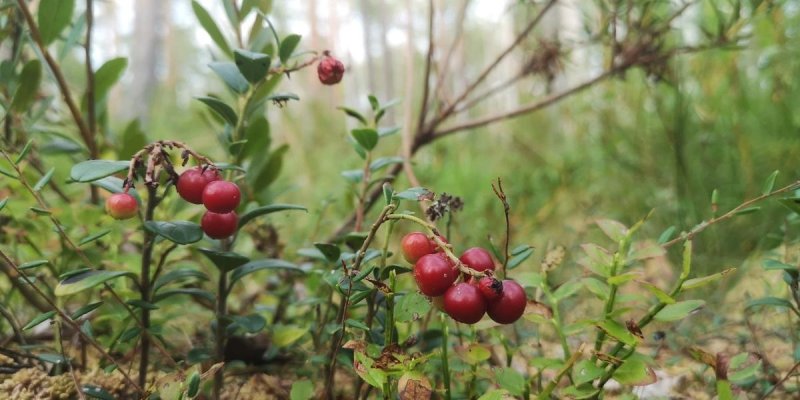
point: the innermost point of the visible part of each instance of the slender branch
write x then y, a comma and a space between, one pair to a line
71, 322
423, 111
781, 382
451, 107
730, 214
60, 341
498, 191
85, 133
457, 37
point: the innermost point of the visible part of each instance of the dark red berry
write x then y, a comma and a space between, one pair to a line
478, 259
416, 245
221, 196
192, 182
434, 274
507, 308
330, 70
490, 288
218, 226
122, 206
464, 303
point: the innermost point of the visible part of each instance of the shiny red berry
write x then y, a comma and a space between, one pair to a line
434, 274
478, 259
507, 308
490, 288
330, 70
121, 206
192, 182
416, 245
218, 226
221, 196
464, 303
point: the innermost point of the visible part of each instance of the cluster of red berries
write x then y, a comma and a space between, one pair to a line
436, 275
205, 186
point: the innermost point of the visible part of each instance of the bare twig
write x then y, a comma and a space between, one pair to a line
782, 381
498, 191
423, 111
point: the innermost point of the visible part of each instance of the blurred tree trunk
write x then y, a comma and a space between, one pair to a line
149, 22
387, 59
367, 18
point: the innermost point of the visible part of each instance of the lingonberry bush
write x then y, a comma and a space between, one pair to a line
157, 299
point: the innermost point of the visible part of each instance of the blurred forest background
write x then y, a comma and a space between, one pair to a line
720, 119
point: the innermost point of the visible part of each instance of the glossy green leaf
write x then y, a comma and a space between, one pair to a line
302, 390
272, 208
771, 265
699, 282
180, 275
180, 232
330, 251
211, 27
266, 171
679, 310
52, 17
133, 139
769, 301
354, 114
586, 371
230, 75
92, 170
44, 180
257, 134
373, 102
86, 309
253, 66
667, 234
413, 193
769, 183
87, 280
520, 256
3, 203
285, 335
288, 45
39, 319
32, 264
613, 229
618, 332
24, 152
28, 89
223, 110
260, 265
107, 75
511, 380
193, 385
93, 237
356, 324
411, 307
622, 278
635, 371
476, 353
141, 304
252, 323
225, 260
365, 137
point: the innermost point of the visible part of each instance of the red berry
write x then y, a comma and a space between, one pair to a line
464, 303
416, 245
221, 196
192, 182
507, 308
330, 70
490, 288
478, 259
121, 206
434, 274
218, 226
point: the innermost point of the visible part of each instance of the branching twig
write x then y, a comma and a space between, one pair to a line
498, 191
423, 111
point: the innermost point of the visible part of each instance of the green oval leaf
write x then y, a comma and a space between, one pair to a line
288, 45
618, 331
180, 232
698, 282
93, 237
93, 170
45, 180
32, 264
253, 66
225, 260
330, 251
411, 307
52, 17
39, 319
193, 385
87, 280
366, 137
679, 310
272, 208
218, 106
29, 80
259, 265
230, 75
178, 275
210, 27
86, 309
107, 75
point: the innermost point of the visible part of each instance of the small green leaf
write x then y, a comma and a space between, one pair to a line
635, 371
356, 324
107, 75
373, 102
618, 332
687, 260
769, 183
771, 265
24, 152
92, 170
210, 27
45, 180
383, 132
411, 307
354, 114
413, 193
520, 257
302, 390
330, 251
253, 66
260, 265
282, 97
724, 391
586, 371
745, 374
613, 229
698, 282
272, 208
39, 319
230, 75
28, 89
52, 17
476, 353
193, 385
3, 203
568, 289
144, 305
218, 106
667, 234
86, 309
32, 264
387, 193
748, 210
87, 280
252, 323
661, 295
366, 137
288, 45
383, 162
679, 310
40, 211
769, 301
93, 237
178, 275
622, 278
225, 260
284, 335
180, 232
511, 380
